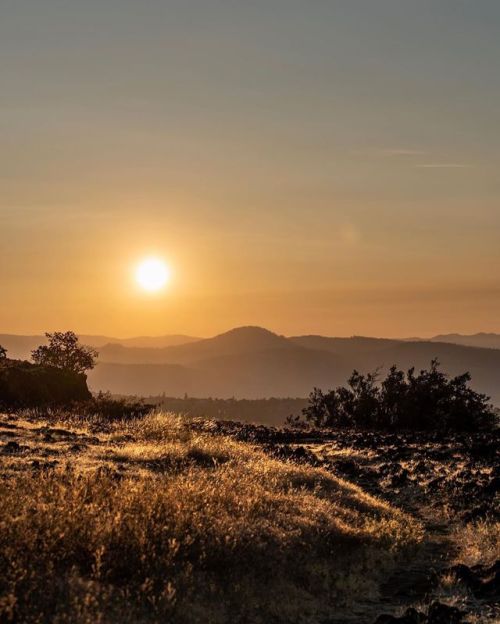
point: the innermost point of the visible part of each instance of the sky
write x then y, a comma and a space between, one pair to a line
311, 166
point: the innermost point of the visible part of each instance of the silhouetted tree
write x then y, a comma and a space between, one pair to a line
429, 400
65, 351
3, 353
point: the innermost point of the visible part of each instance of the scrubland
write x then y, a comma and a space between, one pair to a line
152, 520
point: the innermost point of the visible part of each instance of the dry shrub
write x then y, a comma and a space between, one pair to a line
479, 542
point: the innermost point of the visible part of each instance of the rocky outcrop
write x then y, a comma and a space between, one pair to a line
23, 384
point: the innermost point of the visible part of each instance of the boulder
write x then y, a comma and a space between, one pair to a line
23, 384
411, 616
440, 613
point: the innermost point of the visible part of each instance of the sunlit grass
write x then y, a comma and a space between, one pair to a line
158, 523
479, 542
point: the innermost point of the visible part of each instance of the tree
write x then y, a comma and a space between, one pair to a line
3, 353
64, 351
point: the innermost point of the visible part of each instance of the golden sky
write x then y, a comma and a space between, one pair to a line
309, 167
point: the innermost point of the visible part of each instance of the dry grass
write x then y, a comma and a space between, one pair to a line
153, 523
479, 543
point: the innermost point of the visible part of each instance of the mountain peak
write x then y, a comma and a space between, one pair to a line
248, 330
251, 335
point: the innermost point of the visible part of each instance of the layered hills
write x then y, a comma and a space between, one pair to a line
252, 362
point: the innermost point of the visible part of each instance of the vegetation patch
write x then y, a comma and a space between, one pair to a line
429, 400
150, 521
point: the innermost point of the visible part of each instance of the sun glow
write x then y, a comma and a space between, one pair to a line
152, 274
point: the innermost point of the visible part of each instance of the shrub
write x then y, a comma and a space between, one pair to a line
3, 353
429, 400
100, 411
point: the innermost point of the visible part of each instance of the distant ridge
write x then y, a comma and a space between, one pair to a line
157, 342
482, 339
20, 347
349, 345
253, 362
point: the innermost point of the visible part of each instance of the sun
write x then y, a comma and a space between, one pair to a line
152, 274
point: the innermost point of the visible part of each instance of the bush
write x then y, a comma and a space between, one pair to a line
99, 411
3, 353
105, 408
429, 400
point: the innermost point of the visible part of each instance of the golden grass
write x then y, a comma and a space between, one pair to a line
479, 542
156, 523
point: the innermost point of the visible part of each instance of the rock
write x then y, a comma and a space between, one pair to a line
298, 454
385, 469
483, 449
12, 447
435, 484
464, 574
346, 466
401, 478
479, 512
23, 384
421, 467
493, 486
63, 433
490, 588
90, 440
440, 613
411, 616
45, 465
481, 580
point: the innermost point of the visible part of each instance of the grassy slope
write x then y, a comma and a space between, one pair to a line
150, 522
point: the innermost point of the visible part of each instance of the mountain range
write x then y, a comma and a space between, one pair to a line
20, 346
488, 341
252, 362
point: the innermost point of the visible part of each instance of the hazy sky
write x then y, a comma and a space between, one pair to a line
313, 166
